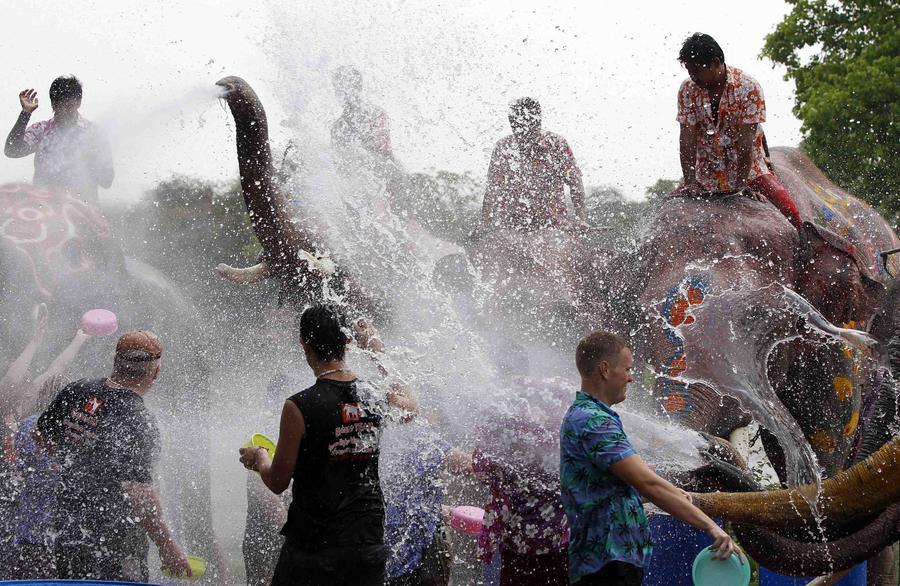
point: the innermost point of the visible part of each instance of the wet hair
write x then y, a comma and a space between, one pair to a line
347, 77
525, 107
324, 327
700, 49
596, 348
65, 88
134, 364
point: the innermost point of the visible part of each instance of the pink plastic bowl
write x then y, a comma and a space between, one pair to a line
467, 519
99, 322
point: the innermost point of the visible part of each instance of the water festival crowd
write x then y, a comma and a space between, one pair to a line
80, 492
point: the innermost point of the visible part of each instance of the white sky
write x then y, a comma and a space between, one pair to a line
605, 73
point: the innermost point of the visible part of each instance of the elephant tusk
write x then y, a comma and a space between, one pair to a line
246, 276
320, 264
862, 490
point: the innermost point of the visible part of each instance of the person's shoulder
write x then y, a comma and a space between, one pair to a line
41, 126
688, 87
741, 78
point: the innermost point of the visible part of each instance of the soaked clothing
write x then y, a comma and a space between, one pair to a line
524, 516
742, 103
363, 127
336, 518
606, 518
37, 499
101, 437
526, 191
75, 158
414, 492
771, 188
262, 542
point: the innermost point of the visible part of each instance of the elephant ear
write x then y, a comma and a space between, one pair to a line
834, 276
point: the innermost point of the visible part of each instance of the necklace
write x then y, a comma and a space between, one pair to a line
332, 371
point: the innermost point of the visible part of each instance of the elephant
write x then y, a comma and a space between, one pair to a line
694, 249
735, 314
58, 250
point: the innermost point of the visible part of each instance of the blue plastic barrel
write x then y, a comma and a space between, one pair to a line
856, 577
70, 583
675, 545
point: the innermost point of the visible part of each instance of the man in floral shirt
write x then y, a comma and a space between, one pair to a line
721, 110
603, 478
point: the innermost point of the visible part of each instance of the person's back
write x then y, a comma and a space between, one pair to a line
70, 153
337, 500
103, 436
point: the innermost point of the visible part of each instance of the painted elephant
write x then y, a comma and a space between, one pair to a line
736, 314
61, 251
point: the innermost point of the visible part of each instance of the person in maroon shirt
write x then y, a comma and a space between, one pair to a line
527, 176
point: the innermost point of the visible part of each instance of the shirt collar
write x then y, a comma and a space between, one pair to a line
584, 396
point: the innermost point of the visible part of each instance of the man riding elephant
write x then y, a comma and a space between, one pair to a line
70, 153
722, 145
528, 174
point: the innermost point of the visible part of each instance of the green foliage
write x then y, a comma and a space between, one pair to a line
615, 218
662, 187
845, 60
447, 204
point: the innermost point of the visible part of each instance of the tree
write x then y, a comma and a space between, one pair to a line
847, 90
662, 187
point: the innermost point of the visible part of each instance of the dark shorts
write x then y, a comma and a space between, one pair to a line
548, 569
361, 566
614, 574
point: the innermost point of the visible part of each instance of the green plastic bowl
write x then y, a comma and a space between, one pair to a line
198, 568
709, 572
258, 439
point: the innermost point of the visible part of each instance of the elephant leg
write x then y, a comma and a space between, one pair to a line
882, 568
775, 454
823, 392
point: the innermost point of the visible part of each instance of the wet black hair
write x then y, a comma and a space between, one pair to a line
324, 327
523, 105
700, 49
65, 87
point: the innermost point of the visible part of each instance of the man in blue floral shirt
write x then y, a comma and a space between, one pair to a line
603, 478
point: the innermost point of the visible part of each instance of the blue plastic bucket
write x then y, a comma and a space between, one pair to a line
675, 545
856, 577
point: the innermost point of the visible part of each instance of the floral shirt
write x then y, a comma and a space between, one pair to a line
606, 518
71, 158
527, 191
742, 102
513, 458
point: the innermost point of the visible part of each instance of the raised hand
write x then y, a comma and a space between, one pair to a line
29, 100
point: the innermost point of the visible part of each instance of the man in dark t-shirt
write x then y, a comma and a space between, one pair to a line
106, 442
328, 444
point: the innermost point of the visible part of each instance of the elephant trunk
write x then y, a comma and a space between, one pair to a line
863, 490
281, 239
791, 557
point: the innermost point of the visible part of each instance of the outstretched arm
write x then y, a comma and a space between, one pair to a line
12, 381
145, 503
672, 500
16, 145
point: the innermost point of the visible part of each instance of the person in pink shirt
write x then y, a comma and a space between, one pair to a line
70, 152
528, 174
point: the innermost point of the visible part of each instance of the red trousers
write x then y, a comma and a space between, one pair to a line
775, 192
